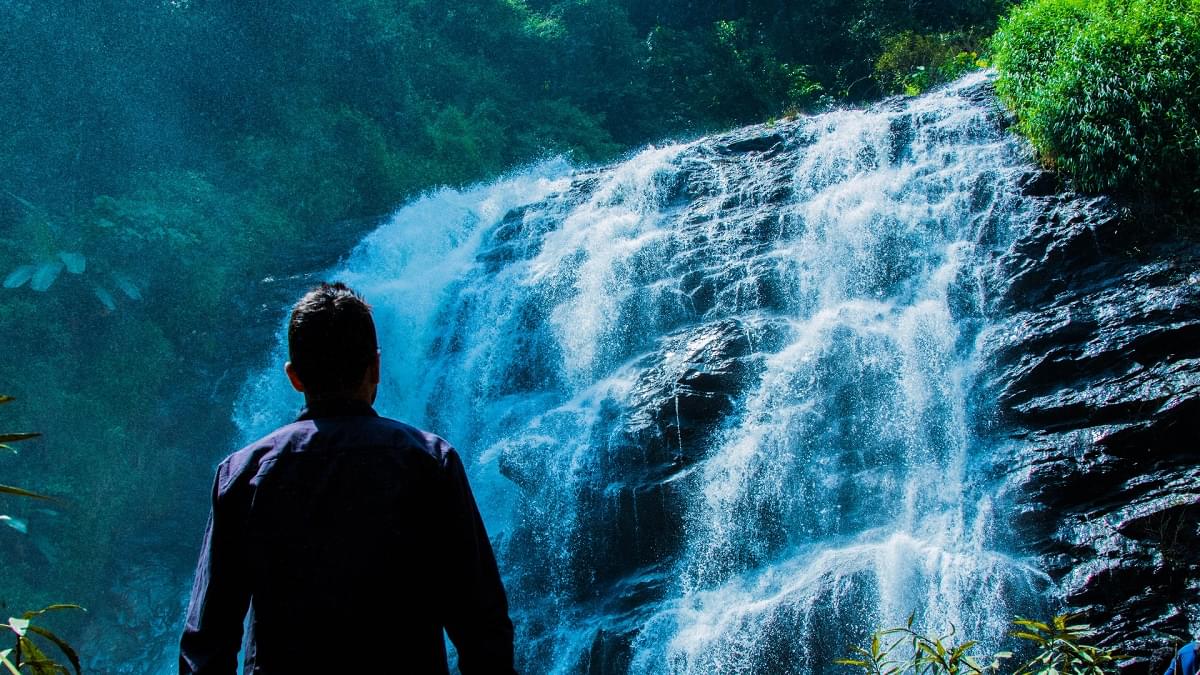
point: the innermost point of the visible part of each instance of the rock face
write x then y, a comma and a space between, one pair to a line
1095, 371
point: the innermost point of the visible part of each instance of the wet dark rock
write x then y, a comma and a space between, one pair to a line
1039, 184
689, 385
764, 143
1096, 373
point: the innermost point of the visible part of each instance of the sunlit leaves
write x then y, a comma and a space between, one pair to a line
1060, 645
1062, 650
1108, 92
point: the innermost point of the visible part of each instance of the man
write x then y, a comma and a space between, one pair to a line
353, 539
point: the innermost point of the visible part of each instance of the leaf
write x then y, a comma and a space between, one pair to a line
57, 607
18, 626
850, 662
1029, 623
15, 523
10, 490
105, 298
958, 651
75, 262
19, 276
1029, 636
61, 644
127, 287
45, 276
12, 438
32, 656
6, 399
12, 668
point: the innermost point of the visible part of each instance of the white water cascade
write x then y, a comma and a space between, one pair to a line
716, 400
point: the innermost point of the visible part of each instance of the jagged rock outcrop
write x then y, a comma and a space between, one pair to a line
1095, 370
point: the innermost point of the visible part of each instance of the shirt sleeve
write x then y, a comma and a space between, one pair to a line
476, 608
212, 634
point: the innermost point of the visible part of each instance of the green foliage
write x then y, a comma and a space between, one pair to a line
1059, 645
1109, 91
922, 654
26, 653
5, 439
913, 63
1062, 650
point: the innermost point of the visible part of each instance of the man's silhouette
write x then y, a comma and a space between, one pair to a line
352, 539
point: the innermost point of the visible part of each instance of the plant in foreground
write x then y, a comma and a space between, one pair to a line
25, 655
1060, 646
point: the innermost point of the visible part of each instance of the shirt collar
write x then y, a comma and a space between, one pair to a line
337, 407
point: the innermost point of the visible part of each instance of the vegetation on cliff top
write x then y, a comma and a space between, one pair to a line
1108, 91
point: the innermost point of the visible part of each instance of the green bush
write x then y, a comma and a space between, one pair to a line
1108, 91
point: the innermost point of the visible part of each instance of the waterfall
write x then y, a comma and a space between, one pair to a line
716, 400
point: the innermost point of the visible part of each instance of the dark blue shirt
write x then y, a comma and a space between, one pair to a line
353, 540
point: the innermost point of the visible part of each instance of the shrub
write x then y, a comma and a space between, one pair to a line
1108, 91
1060, 649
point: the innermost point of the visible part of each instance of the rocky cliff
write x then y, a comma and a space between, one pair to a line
1094, 367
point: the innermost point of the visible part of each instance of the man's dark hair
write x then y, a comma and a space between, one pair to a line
331, 339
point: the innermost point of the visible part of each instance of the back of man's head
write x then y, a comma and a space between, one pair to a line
331, 340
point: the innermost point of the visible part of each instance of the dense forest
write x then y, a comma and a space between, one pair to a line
172, 169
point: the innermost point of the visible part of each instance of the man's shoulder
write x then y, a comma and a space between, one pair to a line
366, 431
397, 434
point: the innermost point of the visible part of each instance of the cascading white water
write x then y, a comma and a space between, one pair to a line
841, 487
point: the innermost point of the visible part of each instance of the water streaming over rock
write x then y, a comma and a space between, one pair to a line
716, 400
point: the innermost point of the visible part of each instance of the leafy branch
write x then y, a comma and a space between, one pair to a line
26, 653
930, 655
1062, 650
1060, 644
